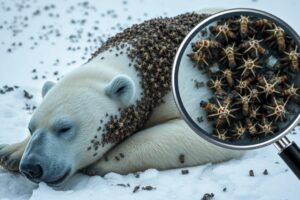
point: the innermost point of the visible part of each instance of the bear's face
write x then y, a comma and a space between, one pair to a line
67, 120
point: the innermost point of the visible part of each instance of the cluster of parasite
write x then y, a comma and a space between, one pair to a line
151, 46
254, 83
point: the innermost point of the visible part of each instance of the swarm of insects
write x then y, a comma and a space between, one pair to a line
151, 50
254, 85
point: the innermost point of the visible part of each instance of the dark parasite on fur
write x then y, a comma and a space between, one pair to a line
153, 45
250, 63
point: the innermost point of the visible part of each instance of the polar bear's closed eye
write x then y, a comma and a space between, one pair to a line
121, 88
63, 125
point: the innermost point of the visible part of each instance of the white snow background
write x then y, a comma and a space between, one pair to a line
57, 36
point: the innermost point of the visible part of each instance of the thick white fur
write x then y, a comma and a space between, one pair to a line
82, 96
160, 147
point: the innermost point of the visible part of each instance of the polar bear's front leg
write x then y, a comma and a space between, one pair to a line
10, 155
165, 146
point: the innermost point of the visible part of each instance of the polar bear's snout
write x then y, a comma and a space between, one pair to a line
32, 171
66, 123
31, 164
44, 158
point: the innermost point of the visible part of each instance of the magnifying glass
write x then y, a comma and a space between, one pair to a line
236, 82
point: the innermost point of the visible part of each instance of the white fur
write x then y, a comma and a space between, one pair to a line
82, 95
85, 96
160, 147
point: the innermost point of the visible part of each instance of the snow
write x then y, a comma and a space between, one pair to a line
41, 53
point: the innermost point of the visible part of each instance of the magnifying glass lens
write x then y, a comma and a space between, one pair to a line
235, 79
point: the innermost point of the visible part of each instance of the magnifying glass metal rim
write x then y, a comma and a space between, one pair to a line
176, 64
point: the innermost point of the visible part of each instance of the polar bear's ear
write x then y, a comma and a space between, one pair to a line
46, 87
121, 88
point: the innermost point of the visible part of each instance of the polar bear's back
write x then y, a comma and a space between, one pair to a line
153, 45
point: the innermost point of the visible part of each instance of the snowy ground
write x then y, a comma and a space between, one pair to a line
41, 41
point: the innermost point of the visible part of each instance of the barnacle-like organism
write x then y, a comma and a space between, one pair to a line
208, 106
206, 44
292, 58
230, 53
254, 112
223, 112
216, 84
243, 84
263, 23
239, 130
228, 75
254, 45
291, 92
251, 127
200, 58
223, 30
221, 135
279, 34
268, 88
244, 100
254, 94
244, 25
266, 127
278, 110
249, 65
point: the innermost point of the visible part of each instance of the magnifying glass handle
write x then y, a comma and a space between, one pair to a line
290, 153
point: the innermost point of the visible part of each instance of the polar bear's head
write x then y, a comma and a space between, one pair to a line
67, 120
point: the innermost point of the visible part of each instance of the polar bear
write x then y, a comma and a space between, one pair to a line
110, 116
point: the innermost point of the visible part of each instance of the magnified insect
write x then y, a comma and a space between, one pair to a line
252, 94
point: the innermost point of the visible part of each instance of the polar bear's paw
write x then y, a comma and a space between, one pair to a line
10, 156
92, 171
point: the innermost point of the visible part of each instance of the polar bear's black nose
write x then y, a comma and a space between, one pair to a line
32, 171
